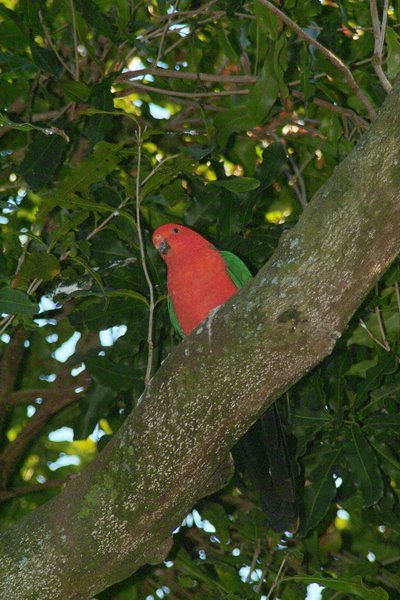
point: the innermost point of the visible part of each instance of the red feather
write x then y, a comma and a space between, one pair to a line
198, 279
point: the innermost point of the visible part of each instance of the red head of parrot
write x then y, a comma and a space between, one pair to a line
197, 279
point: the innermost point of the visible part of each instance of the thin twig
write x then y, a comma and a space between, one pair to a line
75, 38
382, 329
397, 290
276, 580
158, 165
52, 46
345, 112
300, 191
379, 37
164, 32
148, 88
29, 489
157, 31
256, 554
371, 335
28, 395
144, 263
171, 74
335, 60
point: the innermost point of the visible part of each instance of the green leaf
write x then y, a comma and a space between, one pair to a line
68, 224
166, 173
102, 162
244, 152
45, 59
364, 465
385, 452
95, 19
97, 316
40, 265
236, 119
127, 294
320, 493
101, 123
12, 36
360, 369
15, 302
270, 82
109, 374
237, 184
393, 54
387, 364
268, 21
353, 585
5, 121
216, 514
93, 406
77, 91
273, 163
42, 158
384, 422
16, 63
386, 391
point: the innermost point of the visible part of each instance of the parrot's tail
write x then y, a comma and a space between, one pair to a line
264, 455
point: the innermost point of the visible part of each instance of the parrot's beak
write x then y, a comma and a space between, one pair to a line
163, 247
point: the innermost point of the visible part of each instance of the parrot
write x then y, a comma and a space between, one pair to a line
200, 278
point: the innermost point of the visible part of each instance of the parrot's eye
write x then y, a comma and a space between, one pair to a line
176, 230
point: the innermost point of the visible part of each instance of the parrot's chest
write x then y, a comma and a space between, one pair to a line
196, 286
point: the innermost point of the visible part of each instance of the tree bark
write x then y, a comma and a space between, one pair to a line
173, 449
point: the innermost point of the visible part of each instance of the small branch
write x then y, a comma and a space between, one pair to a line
50, 115
28, 395
29, 489
382, 329
397, 290
171, 74
345, 112
9, 367
140, 87
144, 264
298, 177
158, 165
256, 554
164, 31
335, 60
371, 335
52, 46
75, 37
157, 31
277, 578
13, 453
379, 37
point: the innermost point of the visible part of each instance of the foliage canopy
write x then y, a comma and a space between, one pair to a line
119, 117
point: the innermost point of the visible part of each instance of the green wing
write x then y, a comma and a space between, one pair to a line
237, 270
173, 317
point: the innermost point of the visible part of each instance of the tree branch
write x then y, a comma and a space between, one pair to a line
173, 448
142, 87
379, 37
335, 60
29, 489
171, 74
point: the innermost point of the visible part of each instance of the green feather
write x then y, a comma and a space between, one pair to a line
237, 271
173, 317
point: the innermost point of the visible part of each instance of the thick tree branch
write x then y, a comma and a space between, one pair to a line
173, 449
